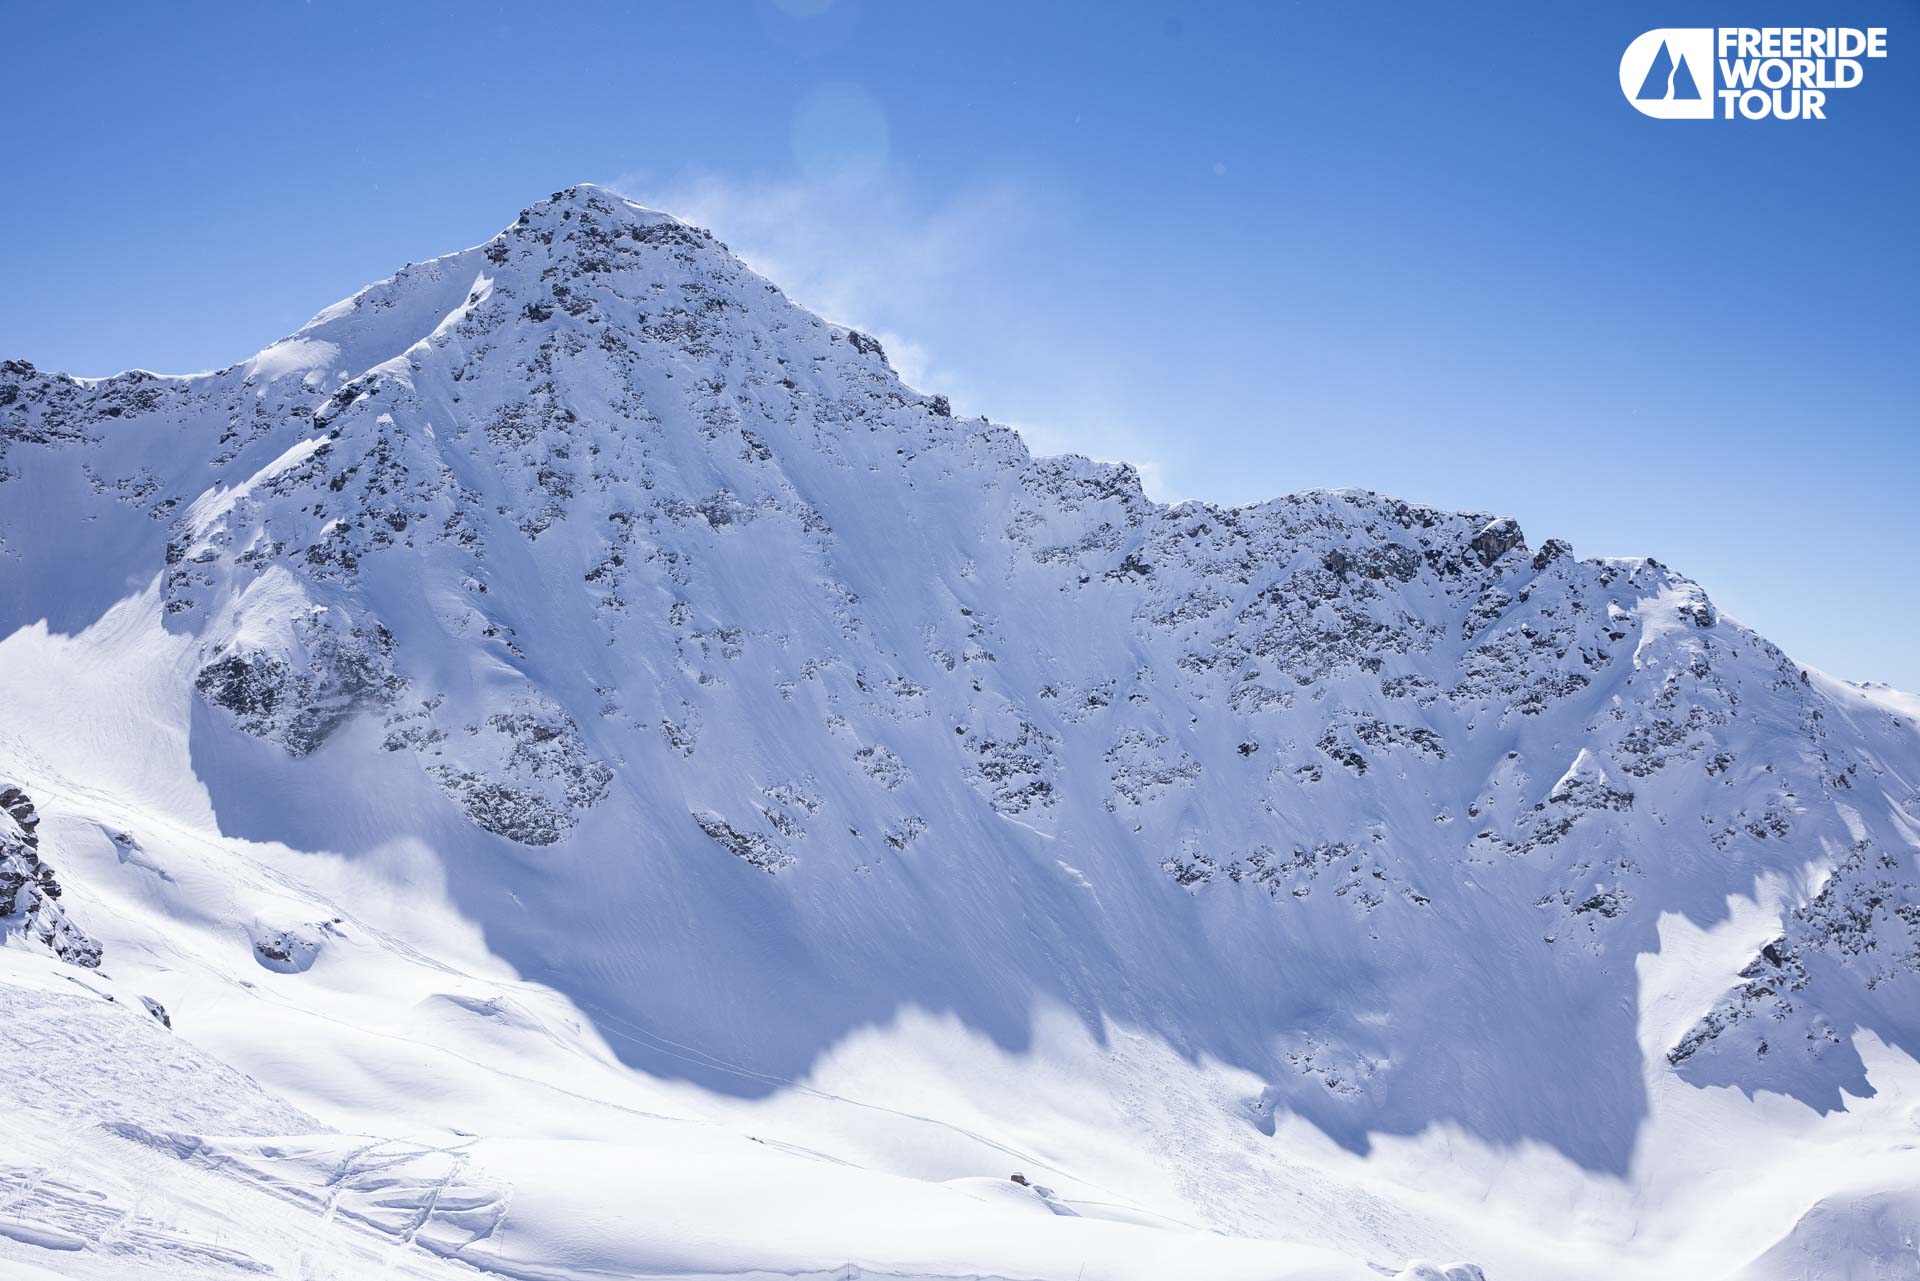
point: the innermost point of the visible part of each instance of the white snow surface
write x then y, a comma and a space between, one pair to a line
604, 781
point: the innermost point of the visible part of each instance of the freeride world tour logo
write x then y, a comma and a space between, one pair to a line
1754, 73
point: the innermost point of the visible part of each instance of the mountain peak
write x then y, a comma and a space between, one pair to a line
594, 199
583, 232
578, 605
583, 219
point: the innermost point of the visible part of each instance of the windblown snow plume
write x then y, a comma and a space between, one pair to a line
567, 767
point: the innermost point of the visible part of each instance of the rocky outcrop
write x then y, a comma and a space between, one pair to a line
299, 700
1497, 539
751, 848
29, 893
525, 774
293, 949
1862, 926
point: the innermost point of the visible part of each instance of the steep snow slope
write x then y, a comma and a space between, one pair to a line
570, 695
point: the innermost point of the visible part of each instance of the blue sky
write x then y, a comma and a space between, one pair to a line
1427, 249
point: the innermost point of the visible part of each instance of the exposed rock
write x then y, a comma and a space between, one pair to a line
1551, 550
298, 703
1496, 539
293, 949
749, 847
865, 345
29, 893
518, 814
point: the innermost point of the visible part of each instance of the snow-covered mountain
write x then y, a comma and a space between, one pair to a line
567, 766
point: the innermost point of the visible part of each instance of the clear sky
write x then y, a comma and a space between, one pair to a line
1422, 248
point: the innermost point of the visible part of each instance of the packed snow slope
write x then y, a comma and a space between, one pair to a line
616, 783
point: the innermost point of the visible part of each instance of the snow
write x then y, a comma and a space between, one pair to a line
214, 505
292, 356
605, 780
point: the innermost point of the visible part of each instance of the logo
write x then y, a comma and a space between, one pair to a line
1668, 73
1748, 73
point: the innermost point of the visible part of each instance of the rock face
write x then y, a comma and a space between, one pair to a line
29, 894
538, 551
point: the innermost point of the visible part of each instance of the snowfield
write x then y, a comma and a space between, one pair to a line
567, 768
